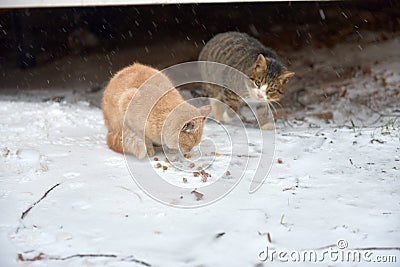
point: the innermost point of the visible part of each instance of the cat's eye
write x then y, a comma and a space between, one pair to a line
258, 83
271, 89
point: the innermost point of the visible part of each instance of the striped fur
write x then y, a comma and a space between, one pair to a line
266, 75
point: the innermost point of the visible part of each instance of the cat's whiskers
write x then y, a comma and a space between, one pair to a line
276, 102
271, 106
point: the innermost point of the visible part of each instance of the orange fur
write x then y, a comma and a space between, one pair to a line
157, 104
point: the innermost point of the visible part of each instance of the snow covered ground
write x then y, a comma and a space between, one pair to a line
67, 200
332, 184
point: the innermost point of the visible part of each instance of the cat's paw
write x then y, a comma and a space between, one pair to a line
139, 150
150, 150
268, 126
226, 118
218, 118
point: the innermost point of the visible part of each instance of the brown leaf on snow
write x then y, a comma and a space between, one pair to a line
198, 195
324, 116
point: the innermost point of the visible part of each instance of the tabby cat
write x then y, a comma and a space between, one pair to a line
142, 108
267, 76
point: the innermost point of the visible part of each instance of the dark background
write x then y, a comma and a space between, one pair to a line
279, 25
36, 52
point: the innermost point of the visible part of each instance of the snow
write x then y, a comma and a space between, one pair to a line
333, 183
336, 179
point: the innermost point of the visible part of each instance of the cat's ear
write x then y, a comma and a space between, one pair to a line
205, 110
261, 62
285, 76
189, 126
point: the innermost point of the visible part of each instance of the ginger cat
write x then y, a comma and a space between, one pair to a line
157, 115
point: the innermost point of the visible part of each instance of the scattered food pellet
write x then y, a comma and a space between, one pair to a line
191, 165
158, 165
198, 195
227, 173
280, 161
155, 159
184, 180
203, 173
196, 174
165, 168
187, 155
215, 154
166, 160
204, 179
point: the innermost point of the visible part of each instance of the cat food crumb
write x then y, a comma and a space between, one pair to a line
165, 168
155, 159
227, 173
184, 180
158, 165
191, 165
280, 161
204, 179
215, 154
166, 160
196, 174
199, 168
187, 155
204, 174
198, 195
